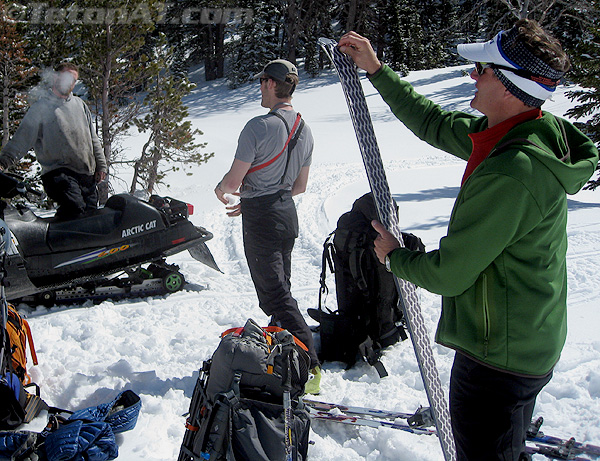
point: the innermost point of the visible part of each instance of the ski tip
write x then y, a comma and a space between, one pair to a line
324, 41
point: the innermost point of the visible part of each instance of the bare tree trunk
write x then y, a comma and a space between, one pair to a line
106, 117
351, 21
138, 166
153, 170
524, 10
215, 58
5, 108
292, 29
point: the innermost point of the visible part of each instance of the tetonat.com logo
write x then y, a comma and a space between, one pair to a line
42, 13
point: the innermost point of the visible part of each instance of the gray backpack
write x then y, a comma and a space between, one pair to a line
246, 403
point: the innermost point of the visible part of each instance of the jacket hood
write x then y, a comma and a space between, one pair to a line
569, 154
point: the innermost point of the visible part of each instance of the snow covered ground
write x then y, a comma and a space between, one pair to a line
155, 346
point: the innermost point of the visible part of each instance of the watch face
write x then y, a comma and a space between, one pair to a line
387, 263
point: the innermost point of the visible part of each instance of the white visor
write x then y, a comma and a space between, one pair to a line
490, 52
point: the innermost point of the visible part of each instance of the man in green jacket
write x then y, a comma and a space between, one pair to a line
501, 268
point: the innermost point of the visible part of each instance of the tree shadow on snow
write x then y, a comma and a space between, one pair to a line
145, 382
429, 194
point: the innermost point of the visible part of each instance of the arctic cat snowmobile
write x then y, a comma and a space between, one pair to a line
116, 251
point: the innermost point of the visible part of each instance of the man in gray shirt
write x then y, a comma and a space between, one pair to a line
271, 165
59, 128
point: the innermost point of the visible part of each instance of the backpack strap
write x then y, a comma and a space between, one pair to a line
356, 246
276, 329
328, 249
30, 341
295, 130
34, 403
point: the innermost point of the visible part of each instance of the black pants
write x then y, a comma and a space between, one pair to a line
490, 410
270, 226
74, 193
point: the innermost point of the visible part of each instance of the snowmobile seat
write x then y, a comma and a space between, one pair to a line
29, 229
116, 202
99, 228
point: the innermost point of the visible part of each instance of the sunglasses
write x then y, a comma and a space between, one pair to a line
480, 68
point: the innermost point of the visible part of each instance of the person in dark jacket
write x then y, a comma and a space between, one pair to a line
501, 268
60, 129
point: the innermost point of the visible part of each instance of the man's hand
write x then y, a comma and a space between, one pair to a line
100, 176
360, 50
233, 205
236, 210
220, 193
385, 241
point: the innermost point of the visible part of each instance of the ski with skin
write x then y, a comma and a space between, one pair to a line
357, 420
562, 451
554, 452
540, 443
386, 210
353, 410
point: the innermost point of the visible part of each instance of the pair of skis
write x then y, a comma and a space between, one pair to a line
419, 423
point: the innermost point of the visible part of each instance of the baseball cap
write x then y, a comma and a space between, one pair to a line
525, 75
278, 70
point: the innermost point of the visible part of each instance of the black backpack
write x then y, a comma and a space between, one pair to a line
368, 317
246, 404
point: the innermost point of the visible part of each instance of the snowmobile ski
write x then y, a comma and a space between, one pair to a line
386, 209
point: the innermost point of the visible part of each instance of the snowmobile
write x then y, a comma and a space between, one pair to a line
118, 250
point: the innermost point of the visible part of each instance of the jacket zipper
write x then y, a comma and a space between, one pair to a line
486, 317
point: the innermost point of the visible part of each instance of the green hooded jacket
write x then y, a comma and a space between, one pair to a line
501, 268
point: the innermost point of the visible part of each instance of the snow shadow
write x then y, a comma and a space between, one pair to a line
202, 101
145, 382
426, 195
451, 98
577, 205
442, 76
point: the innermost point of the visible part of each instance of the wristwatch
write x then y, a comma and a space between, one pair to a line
388, 266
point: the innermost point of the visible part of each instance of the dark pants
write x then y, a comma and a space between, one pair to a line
74, 193
270, 226
490, 410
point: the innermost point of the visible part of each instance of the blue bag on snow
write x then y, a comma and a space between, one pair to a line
13, 441
121, 414
79, 441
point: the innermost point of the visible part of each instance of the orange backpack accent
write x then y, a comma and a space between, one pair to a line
19, 335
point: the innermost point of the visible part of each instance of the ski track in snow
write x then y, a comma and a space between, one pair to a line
155, 345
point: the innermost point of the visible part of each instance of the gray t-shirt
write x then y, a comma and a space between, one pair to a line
262, 139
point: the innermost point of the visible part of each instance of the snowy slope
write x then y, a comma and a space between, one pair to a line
154, 346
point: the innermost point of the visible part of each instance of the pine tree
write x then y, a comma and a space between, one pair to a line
405, 46
115, 67
50, 40
319, 25
257, 43
585, 59
200, 37
16, 71
171, 138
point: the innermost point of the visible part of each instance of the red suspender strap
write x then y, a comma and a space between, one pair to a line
292, 131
